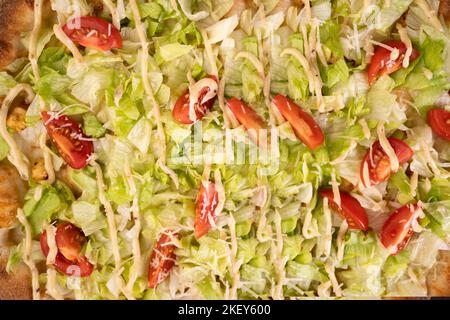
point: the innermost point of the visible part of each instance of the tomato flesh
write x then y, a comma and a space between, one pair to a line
69, 241
93, 32
378, 163
205, 206
397, 229
162, 260
180, 112
305, 127
381, 62
247, 117
439, 121
73, 145
350, 209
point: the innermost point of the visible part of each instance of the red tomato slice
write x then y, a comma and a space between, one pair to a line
180, 111
205, 205
93, 32
349, 210
162, 260
73, 145
397, 229
69, 240
439, 121
304, 126
378, 161
246, 116
381, 62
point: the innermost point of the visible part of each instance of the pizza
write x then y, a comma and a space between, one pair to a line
281, 149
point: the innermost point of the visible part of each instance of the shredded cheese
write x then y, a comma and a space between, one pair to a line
60, 34
27, 255
136, 247
209, 54
234, 265
407, 41
335, 188
365, 128
387, 148
329, 268
341, 240
16, 156
327, 237
114, 13
48, 160
304, 62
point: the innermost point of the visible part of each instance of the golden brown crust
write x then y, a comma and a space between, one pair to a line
9, 194
438, 280
444, 10
15, 285
15, 17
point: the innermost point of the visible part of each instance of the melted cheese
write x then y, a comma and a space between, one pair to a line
278, 259
48, 160
327, 237
52, 287
194, 94
387, 148
16, 156
114, 13
110, 217
60, 34
304, 62
335, 188
209, 54
234, 265
136, 247
254, 61
27, 255
32, 55
341, 240
329, 268
51, 230
149, 91
407, 41
365, 128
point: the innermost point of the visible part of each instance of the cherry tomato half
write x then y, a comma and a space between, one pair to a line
180, 112
381, 62
93, 32
69, 241
397, 229
378, 162
439, 121
73, 145
349, 210
304, 126
205, 205
162, 260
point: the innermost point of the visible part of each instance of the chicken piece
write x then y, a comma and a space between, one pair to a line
38, 172
11, 190
15, 285
16, 119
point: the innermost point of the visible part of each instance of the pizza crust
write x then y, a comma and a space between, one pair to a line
15, 17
